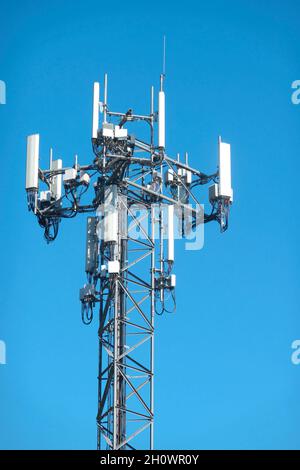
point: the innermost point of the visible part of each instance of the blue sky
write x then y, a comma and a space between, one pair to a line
224, 377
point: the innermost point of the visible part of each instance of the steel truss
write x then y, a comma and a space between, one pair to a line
126, 343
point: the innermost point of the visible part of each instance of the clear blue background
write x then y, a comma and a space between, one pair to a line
224, 378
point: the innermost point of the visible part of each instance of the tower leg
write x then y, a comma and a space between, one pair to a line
126, 346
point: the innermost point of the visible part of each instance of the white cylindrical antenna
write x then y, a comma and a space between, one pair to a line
96, 98
186, 158
32, 163
161, 119
105, 98
178, 157
76, 161
170, 256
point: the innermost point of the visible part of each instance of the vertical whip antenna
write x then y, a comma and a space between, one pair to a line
105, 98
152, 101
162, 105
163, 74
164, 56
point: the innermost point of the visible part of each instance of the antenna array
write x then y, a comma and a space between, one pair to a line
134, 194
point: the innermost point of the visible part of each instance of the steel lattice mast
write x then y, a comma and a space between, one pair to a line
138, 194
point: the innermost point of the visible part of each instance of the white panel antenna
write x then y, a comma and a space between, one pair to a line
161, 120
170, 233
225, 189
32, 164
111, 218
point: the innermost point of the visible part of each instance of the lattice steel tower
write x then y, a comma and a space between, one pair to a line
139, 199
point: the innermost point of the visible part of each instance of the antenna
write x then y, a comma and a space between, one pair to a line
163, 74
225, 189
161, 118
96, 99
32, 165
164, 57
105, 99
170, 256
152, 101
162, 104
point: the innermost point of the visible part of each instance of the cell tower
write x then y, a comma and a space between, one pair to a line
137, 197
